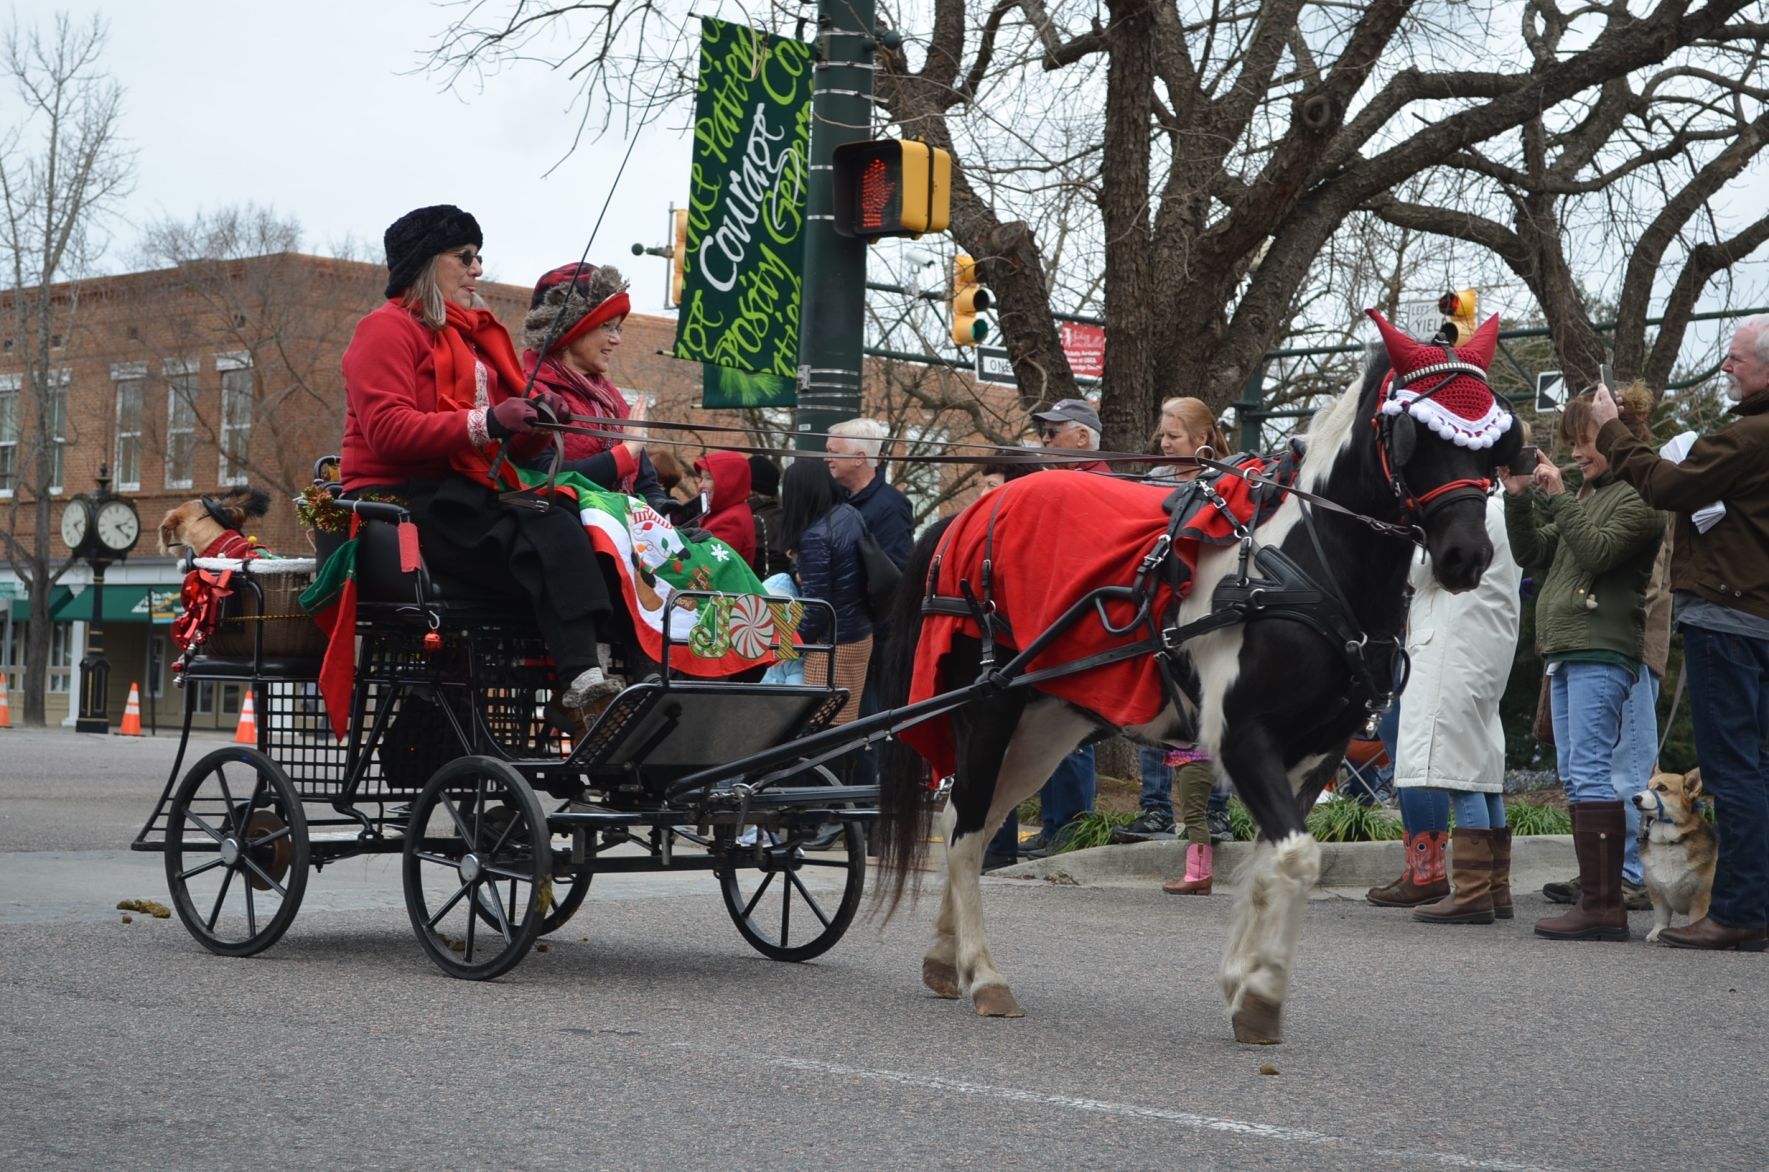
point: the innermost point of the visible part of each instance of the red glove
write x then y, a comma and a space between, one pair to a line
511, 417
554, 408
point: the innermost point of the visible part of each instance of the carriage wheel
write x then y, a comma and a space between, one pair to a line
570, 888
782, 904
473, 879
236, 851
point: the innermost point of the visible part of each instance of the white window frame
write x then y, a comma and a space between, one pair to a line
58, 429
123, 373
232, 430
62, 664
176, 371
9, 428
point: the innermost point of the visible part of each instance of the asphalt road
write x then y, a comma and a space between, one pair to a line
650, 1035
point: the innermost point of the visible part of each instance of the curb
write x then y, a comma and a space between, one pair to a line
1535, 859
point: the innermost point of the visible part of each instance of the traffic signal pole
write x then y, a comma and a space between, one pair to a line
832, 318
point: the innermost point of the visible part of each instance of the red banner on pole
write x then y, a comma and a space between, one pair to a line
1086, 347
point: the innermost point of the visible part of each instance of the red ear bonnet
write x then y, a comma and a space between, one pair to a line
1464, 411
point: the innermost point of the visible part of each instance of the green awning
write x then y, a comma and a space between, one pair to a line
21, 606
122, 604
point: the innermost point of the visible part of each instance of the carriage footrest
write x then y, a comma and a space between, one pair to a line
797, 795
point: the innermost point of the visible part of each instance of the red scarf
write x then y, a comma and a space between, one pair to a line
467, 338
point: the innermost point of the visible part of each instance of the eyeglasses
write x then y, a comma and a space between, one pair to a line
610, 327
1052, 431
468, 257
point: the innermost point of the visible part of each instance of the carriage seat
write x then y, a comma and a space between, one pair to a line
394, 592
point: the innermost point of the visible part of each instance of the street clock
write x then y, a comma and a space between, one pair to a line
101, 527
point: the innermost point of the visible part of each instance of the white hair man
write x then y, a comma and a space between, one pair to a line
852, 453
1072, 425
1720, 586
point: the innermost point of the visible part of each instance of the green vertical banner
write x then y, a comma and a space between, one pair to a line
744, 272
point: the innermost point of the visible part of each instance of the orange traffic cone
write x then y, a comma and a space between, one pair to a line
131, 726
5, 704
247, 733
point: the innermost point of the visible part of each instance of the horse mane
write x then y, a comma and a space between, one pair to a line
1333, 427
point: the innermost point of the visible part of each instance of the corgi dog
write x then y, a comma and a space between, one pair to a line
1678, 850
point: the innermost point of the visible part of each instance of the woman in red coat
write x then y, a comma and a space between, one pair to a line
432, 387
569, 338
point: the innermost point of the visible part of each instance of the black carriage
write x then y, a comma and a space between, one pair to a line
451, 761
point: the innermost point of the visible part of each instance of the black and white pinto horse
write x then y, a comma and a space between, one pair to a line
1270, 696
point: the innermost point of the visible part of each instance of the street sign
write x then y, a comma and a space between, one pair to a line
1550, 390
993, 366
1420, 317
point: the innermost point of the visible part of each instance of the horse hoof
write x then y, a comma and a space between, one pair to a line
1257, 1021
996, 1001
941, 977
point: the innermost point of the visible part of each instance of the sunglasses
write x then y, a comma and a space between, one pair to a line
468, 257
1052, 431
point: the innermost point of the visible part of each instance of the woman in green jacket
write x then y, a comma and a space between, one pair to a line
1597, 548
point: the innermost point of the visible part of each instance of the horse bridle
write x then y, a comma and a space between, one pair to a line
1398, 440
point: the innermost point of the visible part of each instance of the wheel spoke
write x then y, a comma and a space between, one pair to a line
274, 885
251, 909
785, 910
226, 793
203, 826
757, 897
429, 857
466, 835
507, 873
444, 909
472, 898
497, 906
269, 838
511, 825
838, 864
210, 865
809, 899
215, 913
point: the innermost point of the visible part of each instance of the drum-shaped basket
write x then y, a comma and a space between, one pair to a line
289, 631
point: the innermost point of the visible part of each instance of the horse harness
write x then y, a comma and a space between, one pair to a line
1267, 584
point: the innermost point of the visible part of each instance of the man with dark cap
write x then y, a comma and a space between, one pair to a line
1072, 425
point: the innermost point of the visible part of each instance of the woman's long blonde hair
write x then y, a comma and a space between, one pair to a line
1198, 421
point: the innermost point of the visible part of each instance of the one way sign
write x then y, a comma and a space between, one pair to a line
1550, 390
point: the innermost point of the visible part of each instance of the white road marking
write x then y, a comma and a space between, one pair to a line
1298, 1136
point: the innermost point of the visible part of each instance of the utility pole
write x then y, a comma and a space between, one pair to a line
833, 318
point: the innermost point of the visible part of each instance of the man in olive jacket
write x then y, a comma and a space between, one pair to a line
1721, 584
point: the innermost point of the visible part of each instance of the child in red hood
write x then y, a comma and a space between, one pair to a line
725, 477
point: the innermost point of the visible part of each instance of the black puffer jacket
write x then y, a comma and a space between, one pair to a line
829, 568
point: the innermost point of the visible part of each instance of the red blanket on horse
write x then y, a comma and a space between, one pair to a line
1051, 538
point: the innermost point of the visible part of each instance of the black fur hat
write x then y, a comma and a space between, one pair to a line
419, 235
562, 297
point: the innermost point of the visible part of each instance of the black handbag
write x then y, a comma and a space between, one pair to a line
882, 576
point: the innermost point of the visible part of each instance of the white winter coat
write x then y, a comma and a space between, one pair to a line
1462, 646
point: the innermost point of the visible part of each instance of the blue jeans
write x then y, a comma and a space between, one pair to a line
1157, 781
1588, 700
1635, 755
1477, 811
1729, 699
1424, 809
1069, 792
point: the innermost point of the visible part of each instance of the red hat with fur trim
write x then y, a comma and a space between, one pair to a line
1444, 387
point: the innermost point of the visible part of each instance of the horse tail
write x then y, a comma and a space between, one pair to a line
905, 813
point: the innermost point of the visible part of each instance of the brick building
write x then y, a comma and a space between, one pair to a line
186, 380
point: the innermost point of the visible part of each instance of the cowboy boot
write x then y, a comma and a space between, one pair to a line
1422, 881
1470, 900
1502, 908
1597, 838
1197, 872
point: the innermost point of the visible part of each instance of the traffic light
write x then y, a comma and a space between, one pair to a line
679, 263
969, 298
1459, 309
891, 188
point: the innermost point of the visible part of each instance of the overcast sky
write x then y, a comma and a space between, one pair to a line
313, 108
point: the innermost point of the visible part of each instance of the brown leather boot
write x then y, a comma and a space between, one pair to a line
1470, 900
1422, 881
1502, 907
1598, 830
